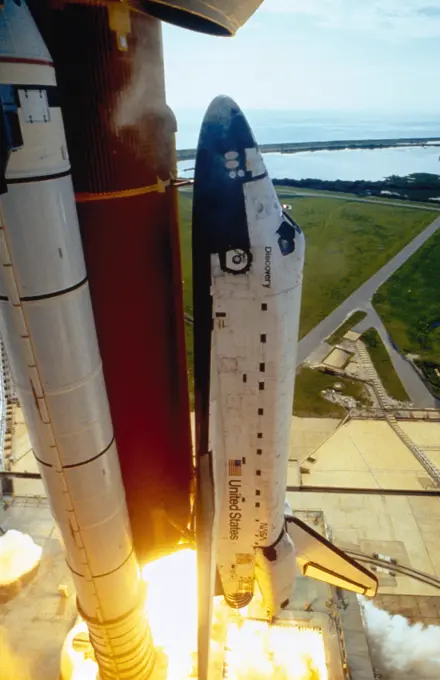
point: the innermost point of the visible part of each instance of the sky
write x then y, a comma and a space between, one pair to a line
339, 55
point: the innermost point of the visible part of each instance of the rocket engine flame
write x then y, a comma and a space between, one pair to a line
172, 609
261, 651
242, 648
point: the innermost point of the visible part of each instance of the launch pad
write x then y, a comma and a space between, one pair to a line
34, 624
38, 619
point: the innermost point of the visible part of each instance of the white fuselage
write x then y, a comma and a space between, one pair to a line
255, 334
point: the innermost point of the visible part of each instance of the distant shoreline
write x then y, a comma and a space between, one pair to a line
335, 145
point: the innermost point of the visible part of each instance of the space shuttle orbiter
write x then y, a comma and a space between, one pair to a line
248, 260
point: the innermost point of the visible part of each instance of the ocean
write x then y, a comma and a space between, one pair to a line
297, 126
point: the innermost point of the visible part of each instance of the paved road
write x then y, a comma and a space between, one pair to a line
355, 199
362, 296
414, 385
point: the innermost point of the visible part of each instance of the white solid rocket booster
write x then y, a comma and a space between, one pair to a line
48, 327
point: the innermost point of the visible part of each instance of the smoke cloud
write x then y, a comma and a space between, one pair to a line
19, 555
400, 650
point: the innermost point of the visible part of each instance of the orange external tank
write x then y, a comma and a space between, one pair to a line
121, 139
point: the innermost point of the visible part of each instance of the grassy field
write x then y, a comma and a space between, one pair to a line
431, 375
346, 243
309, 401
409, 303
292, 192
382, 363
352, 320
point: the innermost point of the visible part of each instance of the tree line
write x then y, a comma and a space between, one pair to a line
416, 187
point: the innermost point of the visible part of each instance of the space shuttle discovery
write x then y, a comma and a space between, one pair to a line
248, 263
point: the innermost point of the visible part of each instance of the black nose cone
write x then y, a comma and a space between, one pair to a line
219, 215
225, 128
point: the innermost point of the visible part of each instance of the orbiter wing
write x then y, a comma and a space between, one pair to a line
318, 558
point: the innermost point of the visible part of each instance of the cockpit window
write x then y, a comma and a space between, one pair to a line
286, 233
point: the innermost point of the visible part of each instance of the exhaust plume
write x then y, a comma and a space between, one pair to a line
401, 650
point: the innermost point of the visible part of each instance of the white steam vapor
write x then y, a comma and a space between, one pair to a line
400, 650
144, 94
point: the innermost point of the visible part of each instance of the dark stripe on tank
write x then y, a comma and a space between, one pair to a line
38, 178
23, 60
90, 460
48, 296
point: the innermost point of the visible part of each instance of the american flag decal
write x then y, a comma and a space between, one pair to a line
234, 468
245, 585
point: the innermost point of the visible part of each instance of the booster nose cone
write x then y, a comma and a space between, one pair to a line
19, 36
